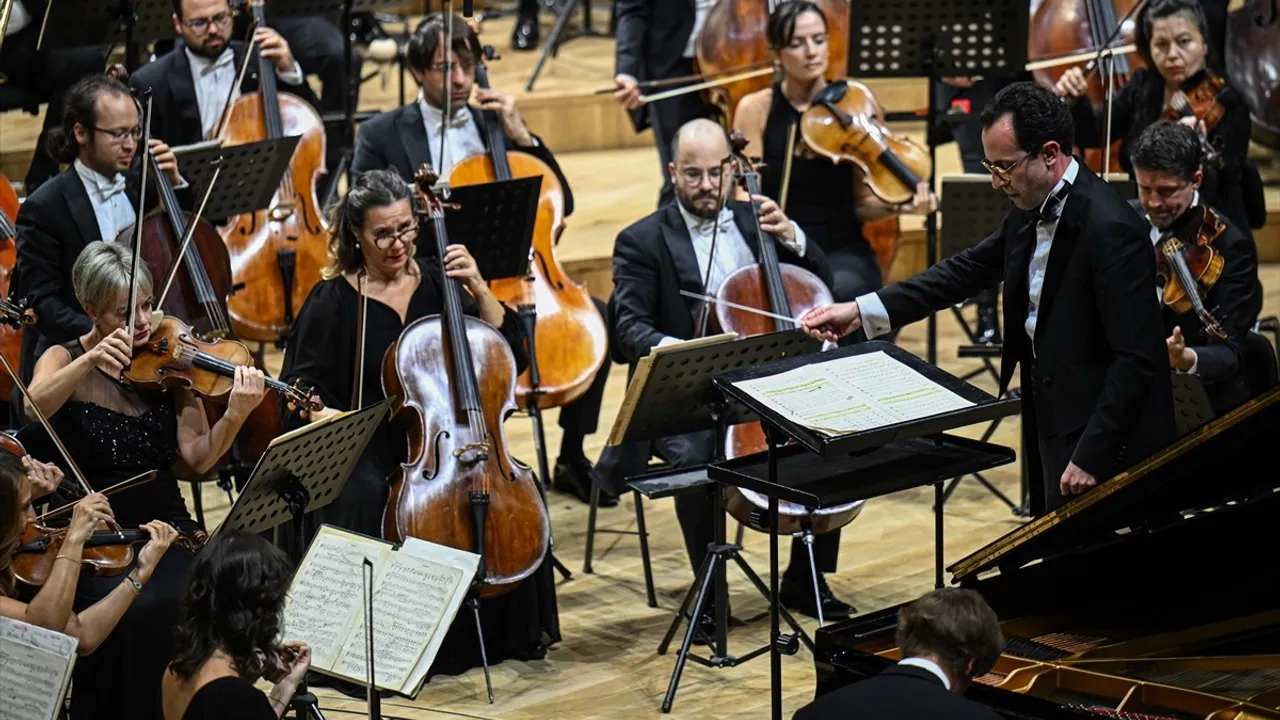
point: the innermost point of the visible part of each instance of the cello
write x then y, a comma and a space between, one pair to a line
10, 332
570, 339
453, 380
277, 254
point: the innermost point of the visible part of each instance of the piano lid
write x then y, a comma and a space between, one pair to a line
1226, 460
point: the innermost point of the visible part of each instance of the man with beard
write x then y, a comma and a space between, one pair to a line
1080, 316
669, 251
1167, 164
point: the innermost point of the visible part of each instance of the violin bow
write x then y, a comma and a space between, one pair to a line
446, 12
57, 441
357, 384
224, 119
137, 225
190, 233
139, 479
704, 313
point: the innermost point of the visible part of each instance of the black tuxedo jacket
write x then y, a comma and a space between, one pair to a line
653, 260
651, 38
901, 691
1098, 392
1235, 301
397, 139
174, 108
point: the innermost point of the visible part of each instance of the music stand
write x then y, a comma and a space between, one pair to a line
250, 177
495, 222
552, 46
1191, 406
824, 471
96, 22
301, 472
671, 393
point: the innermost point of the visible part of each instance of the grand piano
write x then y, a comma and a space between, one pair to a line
1151, 597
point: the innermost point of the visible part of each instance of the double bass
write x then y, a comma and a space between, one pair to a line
453, 380
1253, 65
277, 254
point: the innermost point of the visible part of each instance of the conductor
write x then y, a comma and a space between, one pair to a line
1077, 266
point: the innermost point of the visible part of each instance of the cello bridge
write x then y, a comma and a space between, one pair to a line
282, 212
480, 450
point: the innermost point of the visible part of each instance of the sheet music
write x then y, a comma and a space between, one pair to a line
325, 596
35, 669
852, 394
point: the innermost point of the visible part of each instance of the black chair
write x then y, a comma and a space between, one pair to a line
1260, 364
16, 98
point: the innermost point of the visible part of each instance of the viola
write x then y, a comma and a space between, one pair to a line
276, 254
570, 338
1188, 265
845, 123
453, 380
10, 334
1200, 102
174, 357
1253, 65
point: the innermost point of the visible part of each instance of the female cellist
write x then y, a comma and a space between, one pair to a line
1173, 37
819, 190
373, 245
116, 432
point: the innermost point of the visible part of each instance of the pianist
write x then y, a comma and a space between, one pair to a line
948, 638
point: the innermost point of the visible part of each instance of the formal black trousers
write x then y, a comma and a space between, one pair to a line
582, 416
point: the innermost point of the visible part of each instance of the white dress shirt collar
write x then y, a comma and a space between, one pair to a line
1068, 178
111, 205
462, 138
929, 665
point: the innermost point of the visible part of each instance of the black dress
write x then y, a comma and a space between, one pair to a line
113, 433
518, 625
229, 698
820, 199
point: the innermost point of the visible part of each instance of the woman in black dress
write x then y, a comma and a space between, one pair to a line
232, 615
1174, 40
115, 432
374, 237
829, 201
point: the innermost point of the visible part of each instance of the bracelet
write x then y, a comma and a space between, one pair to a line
64, 556
136, 586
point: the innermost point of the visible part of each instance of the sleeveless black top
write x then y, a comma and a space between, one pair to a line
820, 198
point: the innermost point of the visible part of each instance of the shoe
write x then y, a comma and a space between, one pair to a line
525, 36
574, 477
796, 593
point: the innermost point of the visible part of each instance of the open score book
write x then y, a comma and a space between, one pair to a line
417, 590
35, 670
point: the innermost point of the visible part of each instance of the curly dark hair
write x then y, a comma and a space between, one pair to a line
1039, 116
11, 473
372, 189
80, 107
954, 625
781, 29
1168, 146
234, 602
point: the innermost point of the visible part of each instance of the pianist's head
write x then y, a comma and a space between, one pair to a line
954, 628
99, 126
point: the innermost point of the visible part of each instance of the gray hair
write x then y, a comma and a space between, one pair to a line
102, 272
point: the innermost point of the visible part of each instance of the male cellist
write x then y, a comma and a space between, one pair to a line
406, 137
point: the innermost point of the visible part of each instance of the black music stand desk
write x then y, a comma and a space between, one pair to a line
822, 471
249, 175
495, 222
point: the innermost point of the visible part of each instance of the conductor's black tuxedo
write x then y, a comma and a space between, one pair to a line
653, 260
1235, 301
1095, 379
901, 691
175, 109
397, 139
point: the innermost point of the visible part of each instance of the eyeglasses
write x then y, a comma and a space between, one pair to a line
385, 239
201, 25
1003, 173
694, 176
466, 66
119, 136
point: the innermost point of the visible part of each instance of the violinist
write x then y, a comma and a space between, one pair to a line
192, 85
1168, 165
829, 201
228, 635
404, 138
1077, 267
1173, 39
116, 432
373, 245
21, 481
94, 199
669, 251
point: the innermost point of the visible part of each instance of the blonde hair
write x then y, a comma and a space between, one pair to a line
102, 272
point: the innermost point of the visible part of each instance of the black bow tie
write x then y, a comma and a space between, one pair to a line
1052, 207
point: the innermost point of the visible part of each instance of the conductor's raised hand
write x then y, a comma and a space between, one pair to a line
833, 322
459, 264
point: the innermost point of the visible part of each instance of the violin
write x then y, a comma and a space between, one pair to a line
569, 339
10, 333
453, 380
1188, 265
175, 357
845, 123
277, 254
1200, 102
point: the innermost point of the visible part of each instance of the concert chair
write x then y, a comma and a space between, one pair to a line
638, 491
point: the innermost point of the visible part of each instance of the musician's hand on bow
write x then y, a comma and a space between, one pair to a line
505, 106
274, 48
1072, 84
1181, 357
112, 354
1075, 481
85, 517
246, 392
627, 93
166, 161
922, 202
44, 477
833, 322
162, 536
774, 221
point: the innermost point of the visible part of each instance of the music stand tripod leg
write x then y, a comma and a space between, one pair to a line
807, 538
703, 584
474, 602
479, 513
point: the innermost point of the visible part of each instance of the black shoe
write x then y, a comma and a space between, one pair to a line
574, 477
525, 36
796, 593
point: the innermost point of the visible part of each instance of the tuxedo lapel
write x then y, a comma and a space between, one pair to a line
413, 138
676, 236
1017, 266
183, 89
80, 209
746, 226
